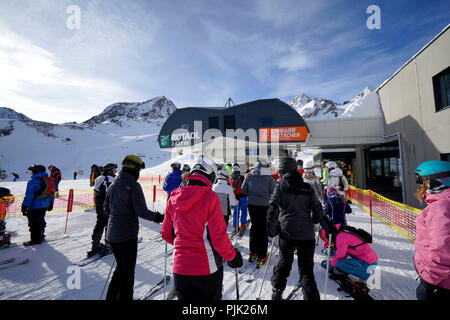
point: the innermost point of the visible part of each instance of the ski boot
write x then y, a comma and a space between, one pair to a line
31, 242
261, 262
5, 241
252, 257
233, 233
241, 232
277, 294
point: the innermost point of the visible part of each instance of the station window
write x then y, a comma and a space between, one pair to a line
445, 157
229, 122
441, 86
213, 123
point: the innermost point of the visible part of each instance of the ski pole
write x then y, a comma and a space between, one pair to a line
318, 235
107, 279
328, 265
165, 270
267, 265
236, 270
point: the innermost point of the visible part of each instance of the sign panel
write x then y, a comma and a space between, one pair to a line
283, 134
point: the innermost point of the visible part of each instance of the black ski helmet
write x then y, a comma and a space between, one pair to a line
186, 168
108, 168
176, 166
36, 168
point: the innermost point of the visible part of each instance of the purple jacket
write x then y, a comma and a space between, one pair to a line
344, 240
432, 244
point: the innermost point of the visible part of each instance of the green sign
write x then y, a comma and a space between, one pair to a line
164, 141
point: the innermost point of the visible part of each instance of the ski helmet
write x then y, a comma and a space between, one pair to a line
332, 192
186, 168
331, 164
433, 170
176, 166
224, 173
236, 168
36, 168
133, 162
108, 168
206, 167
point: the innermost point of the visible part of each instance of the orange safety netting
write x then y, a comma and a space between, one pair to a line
84, 199
400, 217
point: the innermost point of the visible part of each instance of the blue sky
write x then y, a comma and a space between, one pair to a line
199, 53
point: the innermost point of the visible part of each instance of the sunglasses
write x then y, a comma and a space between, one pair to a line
420, 179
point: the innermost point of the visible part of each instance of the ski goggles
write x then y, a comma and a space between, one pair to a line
441, 175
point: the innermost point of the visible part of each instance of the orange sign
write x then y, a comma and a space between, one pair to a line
283, 134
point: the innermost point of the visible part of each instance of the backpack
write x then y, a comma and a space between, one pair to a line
360, 233
95, 172
47, 189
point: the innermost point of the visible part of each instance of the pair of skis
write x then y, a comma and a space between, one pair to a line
9, 263
155, 288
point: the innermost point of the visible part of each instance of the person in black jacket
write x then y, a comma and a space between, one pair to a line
124, 203
290, 217
101, 185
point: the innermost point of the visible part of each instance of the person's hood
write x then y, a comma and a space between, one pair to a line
222, 180
184, 198
292, 181
432, 197
335, 173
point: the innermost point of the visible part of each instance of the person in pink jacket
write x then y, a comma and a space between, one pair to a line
432, 241
353, 255
194, 224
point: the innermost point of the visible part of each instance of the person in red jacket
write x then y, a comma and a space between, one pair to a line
194, 224
55, 175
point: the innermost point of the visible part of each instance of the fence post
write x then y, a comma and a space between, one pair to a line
154, 196
69, 209
159, 179
370, 209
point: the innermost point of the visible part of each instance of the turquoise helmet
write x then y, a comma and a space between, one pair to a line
434, 170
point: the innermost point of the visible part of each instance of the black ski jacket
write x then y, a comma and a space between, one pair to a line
124, 203
294, 209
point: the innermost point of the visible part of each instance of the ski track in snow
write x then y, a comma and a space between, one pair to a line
45, 277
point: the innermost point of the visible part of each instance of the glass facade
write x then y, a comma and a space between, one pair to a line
384, 174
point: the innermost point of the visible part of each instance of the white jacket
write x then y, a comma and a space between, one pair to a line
226, 195
334, 180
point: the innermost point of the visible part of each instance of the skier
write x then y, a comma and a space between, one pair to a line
336, 207
185, 171
16, 176
353, 243
55, 175
6, 199
173, 179
74, 175
336, 179
258, 186
432, 249
101, 185
124, 204
310, 178
324, 180
289, 216
194, 224
36, 203
226, 195
239, 211
300, 167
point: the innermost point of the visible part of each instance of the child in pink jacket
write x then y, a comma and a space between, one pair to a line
353, 255
432, 242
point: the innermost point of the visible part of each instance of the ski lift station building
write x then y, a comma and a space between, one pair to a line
384, 148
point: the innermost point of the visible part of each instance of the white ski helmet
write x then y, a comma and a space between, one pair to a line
331, 164
206, 166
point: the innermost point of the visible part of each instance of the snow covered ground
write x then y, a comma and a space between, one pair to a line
47, 274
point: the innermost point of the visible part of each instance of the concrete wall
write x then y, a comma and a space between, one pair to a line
407, 101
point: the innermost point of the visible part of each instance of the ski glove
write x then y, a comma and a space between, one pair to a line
159, 217
50, 206
24, 210
237, 261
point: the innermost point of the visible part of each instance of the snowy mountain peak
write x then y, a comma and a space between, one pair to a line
159, 108
10, 114
364, 104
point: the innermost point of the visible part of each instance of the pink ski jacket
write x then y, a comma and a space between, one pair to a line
344, 240
194, 224
432, 243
